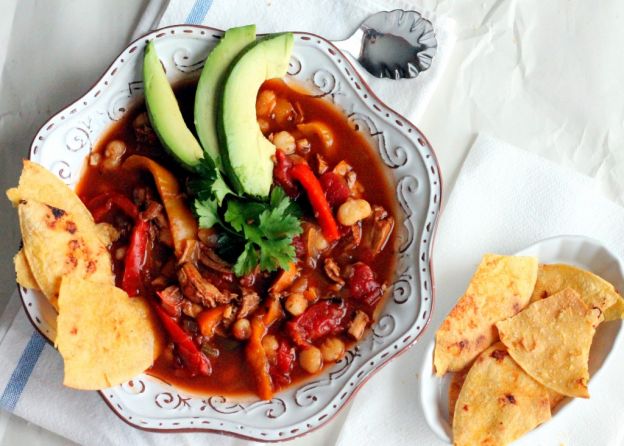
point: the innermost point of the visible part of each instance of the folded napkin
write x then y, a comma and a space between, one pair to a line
31, 370
504, 199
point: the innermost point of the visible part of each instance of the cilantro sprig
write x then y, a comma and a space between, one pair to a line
265, 229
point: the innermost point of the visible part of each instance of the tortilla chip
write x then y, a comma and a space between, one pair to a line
594, 290
555, 398
500, 288
551, 339
104, 336
23, 273
498, 402
457, 381
615, 311
55, 246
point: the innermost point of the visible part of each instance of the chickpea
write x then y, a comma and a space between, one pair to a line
352, 211
332, 349
285, 142
265, 103
296, 304
270, 345
113, 154
241, 329
311, 360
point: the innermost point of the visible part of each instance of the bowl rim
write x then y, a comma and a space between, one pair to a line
158, 32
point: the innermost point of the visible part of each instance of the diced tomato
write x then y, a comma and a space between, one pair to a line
284, 362
335, 188
282, 176
363, 286
321, 319
300, 249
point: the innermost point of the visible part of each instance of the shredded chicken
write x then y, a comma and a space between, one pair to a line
333, 271
199, 290
249, 303
383, 224
190, 252
191, 309
358, 325
211, 260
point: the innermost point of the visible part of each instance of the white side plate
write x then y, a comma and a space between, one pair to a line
574, 250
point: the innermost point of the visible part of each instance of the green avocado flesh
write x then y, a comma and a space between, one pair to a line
245, 152
217, 63
164, 112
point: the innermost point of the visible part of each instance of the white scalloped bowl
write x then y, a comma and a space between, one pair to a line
64, 142
576, 250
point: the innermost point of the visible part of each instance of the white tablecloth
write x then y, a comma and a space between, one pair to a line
544, 76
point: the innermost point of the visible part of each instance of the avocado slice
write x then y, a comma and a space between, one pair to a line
164, 112
245, 152
215, 68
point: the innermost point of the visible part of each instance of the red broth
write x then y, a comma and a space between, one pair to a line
231, 374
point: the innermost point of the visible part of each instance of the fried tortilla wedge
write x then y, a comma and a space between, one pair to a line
24, 275
104, 336
55, 245
551, 339
593, 290
500, 288
457, 381
38, 183
498, 401
615, 311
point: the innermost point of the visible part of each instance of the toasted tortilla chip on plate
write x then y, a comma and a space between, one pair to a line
457, 381
24, 275
56, 245
593, 290
500, 288
498, 401
615, 311
551, 339
104, 336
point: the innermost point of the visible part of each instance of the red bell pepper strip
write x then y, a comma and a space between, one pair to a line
135, 258
102, 204
196, 361
305, 176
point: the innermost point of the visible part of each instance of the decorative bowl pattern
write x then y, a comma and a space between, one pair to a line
64, 142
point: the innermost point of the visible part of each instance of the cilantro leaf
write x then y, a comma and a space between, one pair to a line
209, 183
247, 261
208, 213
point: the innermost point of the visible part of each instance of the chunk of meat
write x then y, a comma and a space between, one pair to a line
333, 271
282, 362
358, 325
249, 302
211, 260
199, 290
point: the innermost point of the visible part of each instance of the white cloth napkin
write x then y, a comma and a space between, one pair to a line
504, 199
31, 370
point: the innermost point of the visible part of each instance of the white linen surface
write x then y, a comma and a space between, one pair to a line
504, 200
